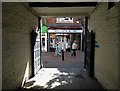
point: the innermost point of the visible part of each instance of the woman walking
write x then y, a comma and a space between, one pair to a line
74, 48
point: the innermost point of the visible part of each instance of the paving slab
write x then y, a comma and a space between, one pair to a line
58, 74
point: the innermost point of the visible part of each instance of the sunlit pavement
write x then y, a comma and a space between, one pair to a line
58, 74
62, 78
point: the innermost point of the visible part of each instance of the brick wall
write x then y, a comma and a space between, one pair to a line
105, 24
51, 20
17, 23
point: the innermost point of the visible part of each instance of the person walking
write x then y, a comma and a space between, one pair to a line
57, 50
74, 48
63, 50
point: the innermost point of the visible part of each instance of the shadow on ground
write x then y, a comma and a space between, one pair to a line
63, 78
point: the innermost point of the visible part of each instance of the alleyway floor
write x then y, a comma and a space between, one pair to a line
58, 74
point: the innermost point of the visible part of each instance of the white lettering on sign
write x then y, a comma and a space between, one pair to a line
65, 31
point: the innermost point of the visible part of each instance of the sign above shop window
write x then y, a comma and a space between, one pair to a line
64, 20
44, 29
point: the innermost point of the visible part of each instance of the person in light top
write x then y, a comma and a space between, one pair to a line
74, 48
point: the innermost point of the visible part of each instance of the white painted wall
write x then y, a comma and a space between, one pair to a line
104, 23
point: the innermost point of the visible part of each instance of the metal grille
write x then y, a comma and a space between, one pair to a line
37, 57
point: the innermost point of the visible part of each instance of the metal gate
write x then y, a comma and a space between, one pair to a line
89, 52
36, 52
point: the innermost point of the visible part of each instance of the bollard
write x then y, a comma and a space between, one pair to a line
62, 55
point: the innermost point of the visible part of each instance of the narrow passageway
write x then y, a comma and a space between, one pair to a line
58, 74
31, 31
